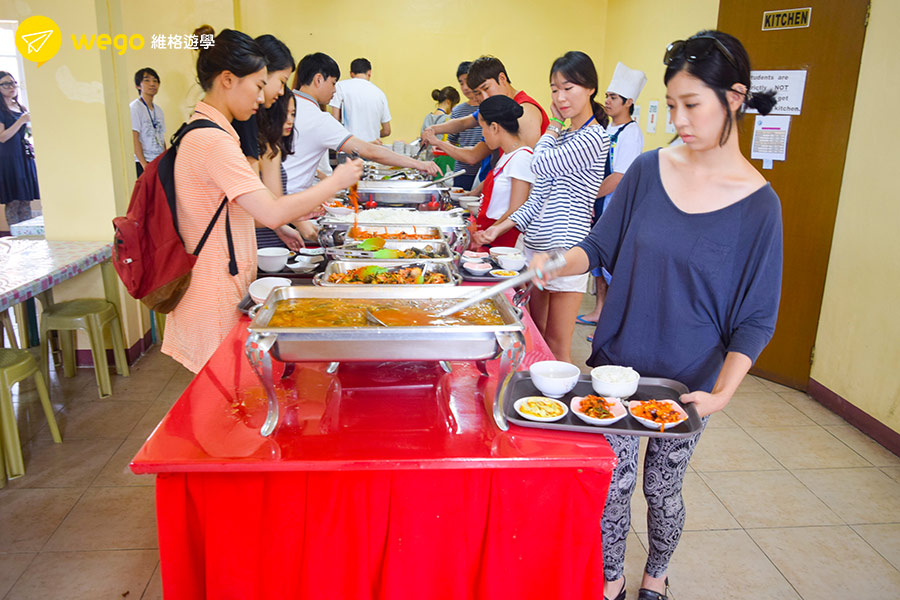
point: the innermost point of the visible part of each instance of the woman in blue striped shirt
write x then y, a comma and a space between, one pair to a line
569, 165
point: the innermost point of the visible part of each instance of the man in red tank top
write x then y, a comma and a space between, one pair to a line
487, 77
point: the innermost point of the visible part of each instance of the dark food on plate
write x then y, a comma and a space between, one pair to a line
596, 407
661, 412
541, 407
347, 312
380, 275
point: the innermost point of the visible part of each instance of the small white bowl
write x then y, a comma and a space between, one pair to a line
338, 210
272, 260
618, 411
496, 251
554, 378
518, 408
614, 381
307, 259
262, 287
457, 192
472, 256
653, 424
512, 262
477, 268
317, 251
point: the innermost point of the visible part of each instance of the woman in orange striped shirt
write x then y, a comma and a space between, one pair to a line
211, 166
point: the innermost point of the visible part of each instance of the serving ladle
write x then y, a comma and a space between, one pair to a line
373, 319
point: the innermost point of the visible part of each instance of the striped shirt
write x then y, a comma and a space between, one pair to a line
466, 138
209, 166
557, 214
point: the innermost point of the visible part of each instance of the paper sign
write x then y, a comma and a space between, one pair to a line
636, 115
770, 135
793, 18
788, 86
670, 126
652, 115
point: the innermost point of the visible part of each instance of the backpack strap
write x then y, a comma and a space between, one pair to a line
613, 139
176, 141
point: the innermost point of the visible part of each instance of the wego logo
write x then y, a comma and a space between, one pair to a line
120, 42
38, 39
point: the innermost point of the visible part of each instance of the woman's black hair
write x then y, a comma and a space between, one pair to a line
271, 124
463, 68
233, 51
447, 93
502, 110
720, 75
278, 55
578, 68
5, 109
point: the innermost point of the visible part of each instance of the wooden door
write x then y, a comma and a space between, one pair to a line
809, 180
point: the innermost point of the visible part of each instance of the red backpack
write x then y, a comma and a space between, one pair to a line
148, 252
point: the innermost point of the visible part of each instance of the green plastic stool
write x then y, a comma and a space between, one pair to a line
90, 315
16, 365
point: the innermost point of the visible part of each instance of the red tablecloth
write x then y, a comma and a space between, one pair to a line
383, 481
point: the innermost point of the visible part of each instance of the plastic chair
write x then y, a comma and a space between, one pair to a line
90, 315
6, 323
16, 365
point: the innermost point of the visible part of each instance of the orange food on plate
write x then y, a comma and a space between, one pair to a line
500, 273
662, 412
596, 407
369, 275
363, 234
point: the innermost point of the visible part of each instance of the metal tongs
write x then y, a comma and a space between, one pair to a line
444, 178
557, 261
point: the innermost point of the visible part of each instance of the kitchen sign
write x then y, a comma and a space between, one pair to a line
792, 18
788, 86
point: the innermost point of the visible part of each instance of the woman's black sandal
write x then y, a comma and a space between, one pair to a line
621, 594
645, 594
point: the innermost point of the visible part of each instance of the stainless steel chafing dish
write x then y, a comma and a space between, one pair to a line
401, 193
441, 249
333, 230
426, 343
343, 266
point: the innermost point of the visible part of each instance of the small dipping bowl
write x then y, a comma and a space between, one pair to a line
272, 260
477, 268
554, 378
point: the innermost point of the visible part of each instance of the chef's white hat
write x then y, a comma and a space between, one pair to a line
627, 82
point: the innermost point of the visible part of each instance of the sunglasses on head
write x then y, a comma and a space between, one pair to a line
697, 49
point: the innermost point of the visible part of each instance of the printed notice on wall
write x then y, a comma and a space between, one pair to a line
652, 114
788, 86
670, 126
770, 136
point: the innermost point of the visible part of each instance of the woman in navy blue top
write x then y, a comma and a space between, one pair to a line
692, 237
18, 176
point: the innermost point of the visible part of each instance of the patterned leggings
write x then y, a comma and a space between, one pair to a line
17, 211
664, 467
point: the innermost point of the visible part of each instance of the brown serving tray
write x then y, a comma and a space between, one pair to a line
648, 388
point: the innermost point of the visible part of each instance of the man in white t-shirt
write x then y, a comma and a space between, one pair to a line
626, 142
316, 132
361, 105
148, 125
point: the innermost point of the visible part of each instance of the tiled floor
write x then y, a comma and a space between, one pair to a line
808, 509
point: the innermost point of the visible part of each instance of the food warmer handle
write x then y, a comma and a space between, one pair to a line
512, 345
257, 351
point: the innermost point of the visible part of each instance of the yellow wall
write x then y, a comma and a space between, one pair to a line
638, 32
858, 342
416, 46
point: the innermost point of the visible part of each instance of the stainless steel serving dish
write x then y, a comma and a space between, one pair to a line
427, 343
333, 231
442, 251
401, 193
343, 266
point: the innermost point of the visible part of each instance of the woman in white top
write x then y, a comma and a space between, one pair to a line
508, 185
569, 165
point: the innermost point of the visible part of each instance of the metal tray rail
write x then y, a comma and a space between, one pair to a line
441, 247
648, 388
342, 266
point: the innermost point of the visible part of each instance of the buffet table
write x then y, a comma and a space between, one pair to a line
383, 480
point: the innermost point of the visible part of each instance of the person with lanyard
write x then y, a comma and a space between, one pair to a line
210, 168
446, 98
569, 166
148, 125
693, 237
18, 174
509, 183
316, 131
467, 137
487, 77
626, 142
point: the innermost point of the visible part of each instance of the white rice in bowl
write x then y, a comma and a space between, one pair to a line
615, 374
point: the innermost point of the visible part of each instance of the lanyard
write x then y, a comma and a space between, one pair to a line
151, 113
442, 110
586, 123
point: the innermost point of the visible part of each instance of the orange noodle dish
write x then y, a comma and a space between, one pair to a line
662, 412
596, 407
349, 312
541, 407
